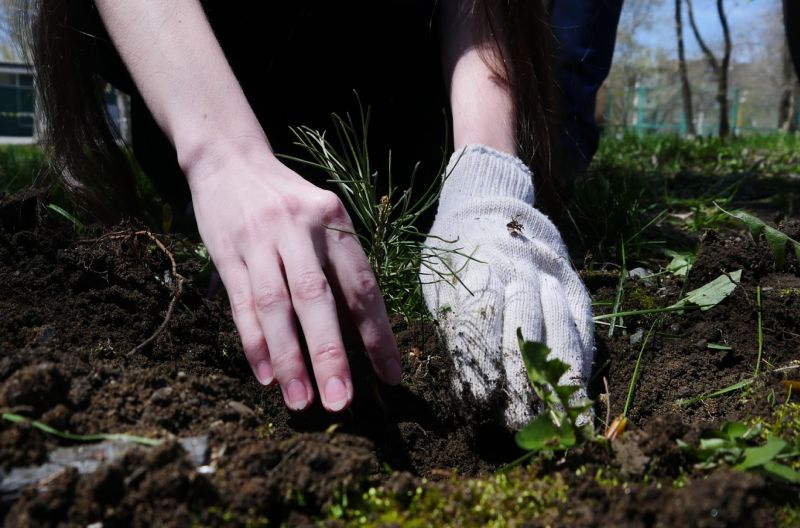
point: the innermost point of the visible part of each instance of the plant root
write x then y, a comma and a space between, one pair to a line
177, 283
177, 290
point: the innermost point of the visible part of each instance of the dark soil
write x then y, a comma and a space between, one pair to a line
73, 306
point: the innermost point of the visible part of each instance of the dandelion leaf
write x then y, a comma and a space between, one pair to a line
556, 427
758, 456
538, 434
733, 430
781, 472
540, 369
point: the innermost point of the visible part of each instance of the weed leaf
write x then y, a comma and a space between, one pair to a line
758, 456
556, 428
776, 240
731, 445
781, 472
538, 434
734, 430
681, 262
711, 294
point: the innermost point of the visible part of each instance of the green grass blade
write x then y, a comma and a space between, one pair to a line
623, 272
635, 374
760, 331
719, 392
16, 418
79, 227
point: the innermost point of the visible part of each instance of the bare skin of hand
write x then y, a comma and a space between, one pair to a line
271, 241
263, 224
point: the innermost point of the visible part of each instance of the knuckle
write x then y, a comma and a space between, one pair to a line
326, 353
287, 365
374, 344
253, 345
330, 207
225, 262
271, 298
365, 285
290, 204
241, 303
310, 286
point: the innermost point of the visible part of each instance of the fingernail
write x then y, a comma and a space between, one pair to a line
264, 373
336, 394
297, 395
391, 372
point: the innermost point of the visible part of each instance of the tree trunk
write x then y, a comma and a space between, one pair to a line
720, 69
722, 79
787, 105
686, 89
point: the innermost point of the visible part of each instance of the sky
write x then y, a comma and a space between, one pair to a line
745, 18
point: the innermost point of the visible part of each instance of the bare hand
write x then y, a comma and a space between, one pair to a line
267, 230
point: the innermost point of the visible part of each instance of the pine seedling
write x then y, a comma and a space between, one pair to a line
385, 223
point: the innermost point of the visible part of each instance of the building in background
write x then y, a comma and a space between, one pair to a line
18, 120
17, 114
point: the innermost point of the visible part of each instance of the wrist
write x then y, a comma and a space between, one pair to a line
200, 160
477, 171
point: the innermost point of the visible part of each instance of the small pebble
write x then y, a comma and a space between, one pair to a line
162, 395
637, 336
241, 408
206, 470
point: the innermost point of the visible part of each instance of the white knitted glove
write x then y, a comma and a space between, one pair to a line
519, 276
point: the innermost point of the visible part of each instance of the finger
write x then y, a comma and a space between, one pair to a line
315, 306
273, 308
561, 333
472, 331
234, 277
558, 265
522, 310
350, 269
579, 302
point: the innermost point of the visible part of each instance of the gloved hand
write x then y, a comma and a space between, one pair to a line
511, 270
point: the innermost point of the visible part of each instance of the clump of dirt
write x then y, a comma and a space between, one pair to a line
703, 351
75, 306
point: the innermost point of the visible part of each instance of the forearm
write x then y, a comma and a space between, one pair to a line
481, 102
181, 71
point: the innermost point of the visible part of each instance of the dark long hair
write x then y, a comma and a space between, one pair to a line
62, 42
520, 32
67, 41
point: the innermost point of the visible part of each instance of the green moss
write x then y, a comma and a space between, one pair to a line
789, 292
494, 501
789, 515
606, 476
784, 422
637, 298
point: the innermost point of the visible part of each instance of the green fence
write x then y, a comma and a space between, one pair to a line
644, 107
